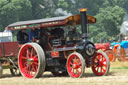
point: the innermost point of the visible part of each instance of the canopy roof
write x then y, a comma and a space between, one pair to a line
50, 22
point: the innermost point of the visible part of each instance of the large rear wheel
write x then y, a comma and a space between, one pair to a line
1, 70
75, 65
31, 60
100, 64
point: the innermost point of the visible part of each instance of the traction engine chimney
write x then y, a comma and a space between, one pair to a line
83, 17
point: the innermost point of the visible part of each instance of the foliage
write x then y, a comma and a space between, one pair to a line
109, 13
108, 22
13, 11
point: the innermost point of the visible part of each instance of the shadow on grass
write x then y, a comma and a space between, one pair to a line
93, 75
8, 76
84, 75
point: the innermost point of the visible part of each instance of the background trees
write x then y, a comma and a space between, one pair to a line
109, 13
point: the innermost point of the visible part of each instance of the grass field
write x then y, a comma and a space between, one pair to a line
118, 75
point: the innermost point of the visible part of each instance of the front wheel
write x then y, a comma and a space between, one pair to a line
75, 65
1, 70
31, 60
100, 64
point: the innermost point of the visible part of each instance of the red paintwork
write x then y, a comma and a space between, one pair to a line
74, 64
55, 54
9, 49
46, 24
104, 46
100, 64
28, 61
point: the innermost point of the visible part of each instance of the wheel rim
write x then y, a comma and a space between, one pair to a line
28, 61
74, 66
99, 65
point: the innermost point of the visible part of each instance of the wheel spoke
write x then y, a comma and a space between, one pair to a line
98, 57
28, 53
36, 63
73, 70
77, 71
74, 60
24, 57
34, 68
97, 69
101, 69
35, 56
32, 51
29, 68
24, 64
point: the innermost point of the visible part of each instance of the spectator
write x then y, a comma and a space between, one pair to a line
22, 37
33, 35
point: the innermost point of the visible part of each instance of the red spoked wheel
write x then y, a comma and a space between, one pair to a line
111, 55
100, 64
75, 65
31, 60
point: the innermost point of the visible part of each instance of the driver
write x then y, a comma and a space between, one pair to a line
73, 34
22, 37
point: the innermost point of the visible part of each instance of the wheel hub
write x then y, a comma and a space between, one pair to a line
100, 63
30, 61
75, 66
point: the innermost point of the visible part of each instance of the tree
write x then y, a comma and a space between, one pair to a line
108, 22
14, 10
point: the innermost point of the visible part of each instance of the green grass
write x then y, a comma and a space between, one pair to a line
119, 67
118, 75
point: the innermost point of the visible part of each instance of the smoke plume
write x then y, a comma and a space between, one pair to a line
60, 12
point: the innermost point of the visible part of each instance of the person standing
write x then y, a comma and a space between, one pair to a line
22, 37
33, 34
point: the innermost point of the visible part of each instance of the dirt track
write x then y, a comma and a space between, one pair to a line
118, 75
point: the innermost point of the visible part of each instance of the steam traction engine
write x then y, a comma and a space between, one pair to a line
58, 55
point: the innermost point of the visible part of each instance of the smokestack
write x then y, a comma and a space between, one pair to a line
83, 17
